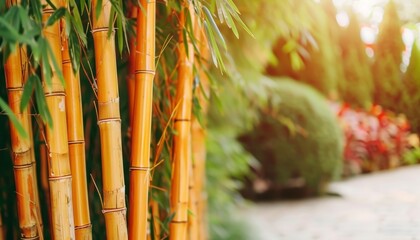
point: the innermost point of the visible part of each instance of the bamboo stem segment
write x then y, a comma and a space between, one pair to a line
131, 78
59, 171
76, 142
198, 132
142, 120
114, 208
23, 157
182, 138
2, 228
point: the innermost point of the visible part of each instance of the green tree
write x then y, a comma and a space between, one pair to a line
313, 55
388, 58
357, 89
411, 95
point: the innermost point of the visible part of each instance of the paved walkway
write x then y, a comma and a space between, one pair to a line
380, 206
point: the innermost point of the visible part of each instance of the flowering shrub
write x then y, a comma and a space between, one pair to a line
375, 140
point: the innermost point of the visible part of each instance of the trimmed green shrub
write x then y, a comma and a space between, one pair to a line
297, 137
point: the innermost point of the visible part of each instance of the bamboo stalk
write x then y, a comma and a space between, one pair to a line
131, 65
59, 171
76, 142
199, 136
142, 120
23, 158
2, 228
182, 138
114, 208
156, 218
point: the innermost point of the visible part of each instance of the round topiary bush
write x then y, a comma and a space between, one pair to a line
297, 139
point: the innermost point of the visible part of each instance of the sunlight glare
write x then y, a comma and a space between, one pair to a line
342, 19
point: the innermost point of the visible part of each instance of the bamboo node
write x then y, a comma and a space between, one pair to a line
101, 29
47, 10
109, 120
83, 227
74, 142
113, 210
30, 238
58, 178
151, 72
23, 166
133, 168
54, 94
182, 119
13, 89
178, 222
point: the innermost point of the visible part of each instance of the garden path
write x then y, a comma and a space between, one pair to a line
378, 206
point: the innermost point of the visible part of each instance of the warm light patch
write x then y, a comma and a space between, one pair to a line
343, 19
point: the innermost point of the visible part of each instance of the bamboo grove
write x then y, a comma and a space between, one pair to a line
106, 103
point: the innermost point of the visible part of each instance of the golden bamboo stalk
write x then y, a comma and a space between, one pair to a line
43, 153
156, 218
23, 158
193, 229
59, 171
199, 137
182, 139
142, 120
76, 142
109, 122
2, 228
131, 65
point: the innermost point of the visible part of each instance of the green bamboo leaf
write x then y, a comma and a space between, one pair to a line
67, 18
120, 38
27, 91
78, 25
9, 32
24, 18
35, 8
51, 4
98, 8
42, 104
57, 14
75, 53
56, 66
185, 40
207, 33
214, 27
45, 65
13, 118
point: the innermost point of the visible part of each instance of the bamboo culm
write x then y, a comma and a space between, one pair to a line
59, 171
109, 121
142, 120
181, 156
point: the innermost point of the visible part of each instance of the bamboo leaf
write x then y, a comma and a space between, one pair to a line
9, 32
67, 18
51, 4
13, 118
56, 66
77, 24
120, 38
98, 8
45, 65
185, 40
75, 53
42, 104
214, 26
27, 91
59, 13
35, 6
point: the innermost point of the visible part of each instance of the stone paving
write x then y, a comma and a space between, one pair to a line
379, 206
